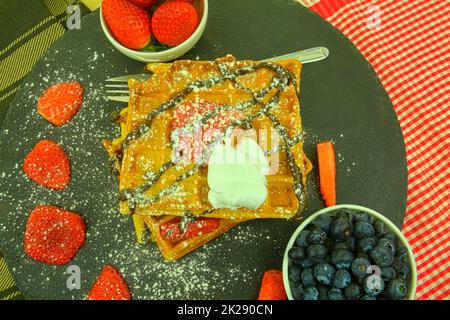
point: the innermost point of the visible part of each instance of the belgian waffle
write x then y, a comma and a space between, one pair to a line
267, 94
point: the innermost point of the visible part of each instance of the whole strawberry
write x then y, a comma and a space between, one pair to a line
109, 286
53, 235
174, 22
59, 103
129, 23
48, 165
188, 1
144, 3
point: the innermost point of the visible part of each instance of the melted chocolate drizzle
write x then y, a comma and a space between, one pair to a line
280, 81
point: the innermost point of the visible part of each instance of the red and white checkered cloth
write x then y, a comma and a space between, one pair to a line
408, 44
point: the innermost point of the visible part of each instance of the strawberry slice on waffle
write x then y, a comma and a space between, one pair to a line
194, 129
172, 230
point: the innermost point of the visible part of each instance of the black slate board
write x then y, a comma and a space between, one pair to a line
341, 99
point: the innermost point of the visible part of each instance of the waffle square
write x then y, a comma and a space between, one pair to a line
266, 95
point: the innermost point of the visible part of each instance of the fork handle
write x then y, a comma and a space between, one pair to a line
304, 56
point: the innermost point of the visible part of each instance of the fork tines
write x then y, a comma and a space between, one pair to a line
115, 94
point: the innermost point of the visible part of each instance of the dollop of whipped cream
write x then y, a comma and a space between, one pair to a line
237, 175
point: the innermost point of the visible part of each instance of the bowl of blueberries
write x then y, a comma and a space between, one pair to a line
349, 252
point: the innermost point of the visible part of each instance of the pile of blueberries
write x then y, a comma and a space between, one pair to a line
349, 256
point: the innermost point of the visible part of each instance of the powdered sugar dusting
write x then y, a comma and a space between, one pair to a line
219, 269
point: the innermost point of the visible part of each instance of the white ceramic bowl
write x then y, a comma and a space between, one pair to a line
331, 211
202, 11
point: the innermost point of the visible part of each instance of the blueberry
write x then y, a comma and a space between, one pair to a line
380, 228
297, 292
311, 293
397, 289
402, 253
359, 267
365, 245
359, 281
335, 294
362, 255
341, 229
363, 229
317, 236
391, 236
353, 291
316, 251
348, 244
362, 216
341, 245
388, 273
345, 214
368, 297
342, 279
323, 222
373, 285
351, 243
382, 256
322, 260
329, 243
342, 258
402, 268
302, 238
308, 277
307, 263
323, 292
324, 272
294, 262
388, 243
297, 253
294, 273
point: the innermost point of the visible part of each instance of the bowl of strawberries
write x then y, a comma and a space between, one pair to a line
153, 30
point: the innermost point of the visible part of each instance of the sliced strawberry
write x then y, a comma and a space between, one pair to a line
272, 287
192, 143
171, 230
129, 23
59, 103
174, 22
53, 235
48, 165
192, 111
109, 286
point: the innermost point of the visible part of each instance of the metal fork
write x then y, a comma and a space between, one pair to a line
117, 88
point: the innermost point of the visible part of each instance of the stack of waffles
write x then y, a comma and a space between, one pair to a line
163, 181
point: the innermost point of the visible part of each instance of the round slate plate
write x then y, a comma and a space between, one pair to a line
341, 99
